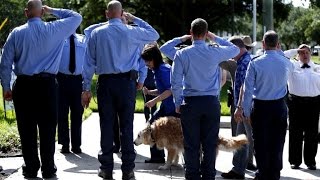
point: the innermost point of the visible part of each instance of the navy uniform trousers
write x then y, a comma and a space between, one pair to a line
116, 95
35, 102
70, 90
303, 127
269, 126
200, 119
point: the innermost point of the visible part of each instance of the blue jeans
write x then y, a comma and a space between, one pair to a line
116, 96
200, 119
241, 156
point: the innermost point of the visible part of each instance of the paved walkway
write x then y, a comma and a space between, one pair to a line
85, 165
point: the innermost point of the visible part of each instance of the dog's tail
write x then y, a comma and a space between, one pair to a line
232, 143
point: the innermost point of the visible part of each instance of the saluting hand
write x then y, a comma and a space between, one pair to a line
211, 36
47, 9
85, 98
184, 38
129, 16
8, 95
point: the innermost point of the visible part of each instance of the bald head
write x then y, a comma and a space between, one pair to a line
34, 8
114, 9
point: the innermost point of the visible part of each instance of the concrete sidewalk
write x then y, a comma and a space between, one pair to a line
85, 165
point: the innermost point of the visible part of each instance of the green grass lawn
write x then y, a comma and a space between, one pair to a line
140, 104
316, 59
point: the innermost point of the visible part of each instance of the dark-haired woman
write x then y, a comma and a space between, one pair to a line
153, 60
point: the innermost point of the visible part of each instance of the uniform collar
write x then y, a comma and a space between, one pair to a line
198, 42
271, 52
115, 21
35, 19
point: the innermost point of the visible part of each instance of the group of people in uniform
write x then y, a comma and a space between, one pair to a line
55, 67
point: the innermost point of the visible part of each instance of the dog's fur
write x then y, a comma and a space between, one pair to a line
166, 132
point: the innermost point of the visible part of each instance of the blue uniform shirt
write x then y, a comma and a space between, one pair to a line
198, 67
266, 79
80, 47
115, 48
36, 46
242, 66
162, 78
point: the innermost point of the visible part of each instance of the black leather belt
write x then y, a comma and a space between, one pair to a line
119, 75
303, 98
69, 75
40, 75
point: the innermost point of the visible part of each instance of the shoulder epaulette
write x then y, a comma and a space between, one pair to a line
255, 57
214, 45
182, 46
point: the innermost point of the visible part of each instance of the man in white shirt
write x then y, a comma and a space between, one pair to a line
303, 103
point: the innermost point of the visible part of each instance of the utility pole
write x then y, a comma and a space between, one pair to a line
254, 23
232, 21
267, 15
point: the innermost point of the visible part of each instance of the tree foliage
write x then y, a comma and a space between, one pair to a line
170, 17
301, 26
14, 11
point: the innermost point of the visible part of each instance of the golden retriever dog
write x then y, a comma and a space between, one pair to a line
166, 132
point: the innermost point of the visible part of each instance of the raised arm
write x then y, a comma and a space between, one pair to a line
144, 32
168, 48
67, 24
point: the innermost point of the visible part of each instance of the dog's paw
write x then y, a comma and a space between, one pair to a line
164, 167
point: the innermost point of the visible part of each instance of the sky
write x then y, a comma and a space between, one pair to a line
302, 3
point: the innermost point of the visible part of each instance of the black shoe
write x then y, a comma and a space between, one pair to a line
65, 150
105, 174
128, 175
232, 175
155, 161
251, 167
47, 175
312, 167
295, 166
49, 172
29, 174
76, 150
